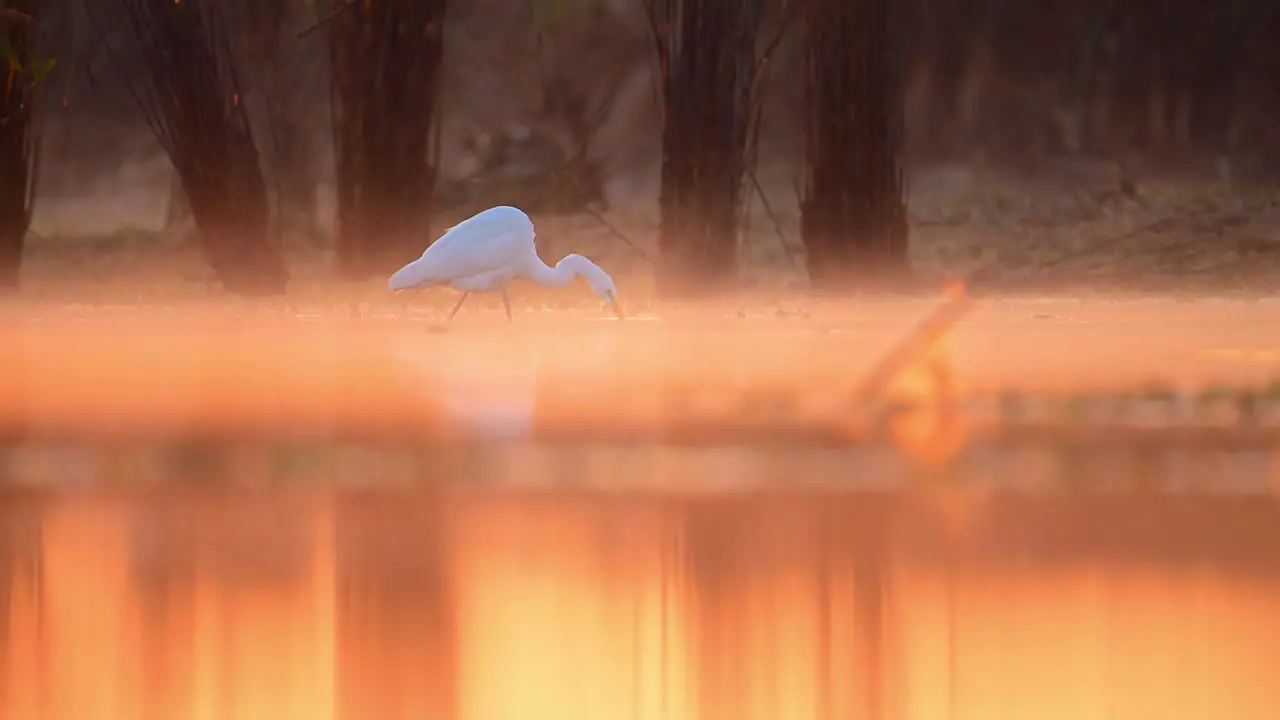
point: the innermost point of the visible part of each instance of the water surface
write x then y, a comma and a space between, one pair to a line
505, 604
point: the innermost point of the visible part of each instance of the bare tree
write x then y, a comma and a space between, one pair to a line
385, 60
853, 212
178, 62
19, 131
707, 62
279, 80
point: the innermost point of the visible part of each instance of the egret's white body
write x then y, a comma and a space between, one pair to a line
488, 250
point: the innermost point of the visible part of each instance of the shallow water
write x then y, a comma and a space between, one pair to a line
166, 553
503, 604
122, 370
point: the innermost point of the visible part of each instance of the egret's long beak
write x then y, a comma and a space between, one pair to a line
617, 309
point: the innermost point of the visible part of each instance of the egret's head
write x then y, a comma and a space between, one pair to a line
609, 292
599, 281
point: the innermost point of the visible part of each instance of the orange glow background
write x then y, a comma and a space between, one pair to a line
502, 605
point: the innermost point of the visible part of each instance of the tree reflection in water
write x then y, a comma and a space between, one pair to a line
504, 604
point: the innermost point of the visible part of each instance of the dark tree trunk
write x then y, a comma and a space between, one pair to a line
385, 62
708, 64
853, 212
178, 61
265, 39
19, 133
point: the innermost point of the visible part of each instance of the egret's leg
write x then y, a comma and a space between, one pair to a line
459, 305
506, 304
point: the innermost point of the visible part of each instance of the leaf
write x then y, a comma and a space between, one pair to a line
42, 68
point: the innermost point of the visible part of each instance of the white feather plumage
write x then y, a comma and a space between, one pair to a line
485, 252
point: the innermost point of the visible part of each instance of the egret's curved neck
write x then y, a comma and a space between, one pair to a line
559, 276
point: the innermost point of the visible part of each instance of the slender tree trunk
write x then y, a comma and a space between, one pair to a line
853, 212
385, 60
708, 64
287, 71
19, 133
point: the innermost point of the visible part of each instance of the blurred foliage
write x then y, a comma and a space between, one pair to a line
37, 68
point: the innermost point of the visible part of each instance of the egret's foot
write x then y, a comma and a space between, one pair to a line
506, 304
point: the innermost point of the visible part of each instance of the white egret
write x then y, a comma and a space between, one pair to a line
487, 251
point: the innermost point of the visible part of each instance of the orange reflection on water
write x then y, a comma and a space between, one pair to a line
1086, 643
498, 605
262, 638
86, 624
567, 613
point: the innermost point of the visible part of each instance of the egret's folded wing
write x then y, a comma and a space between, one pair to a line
468, 250
446, 232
